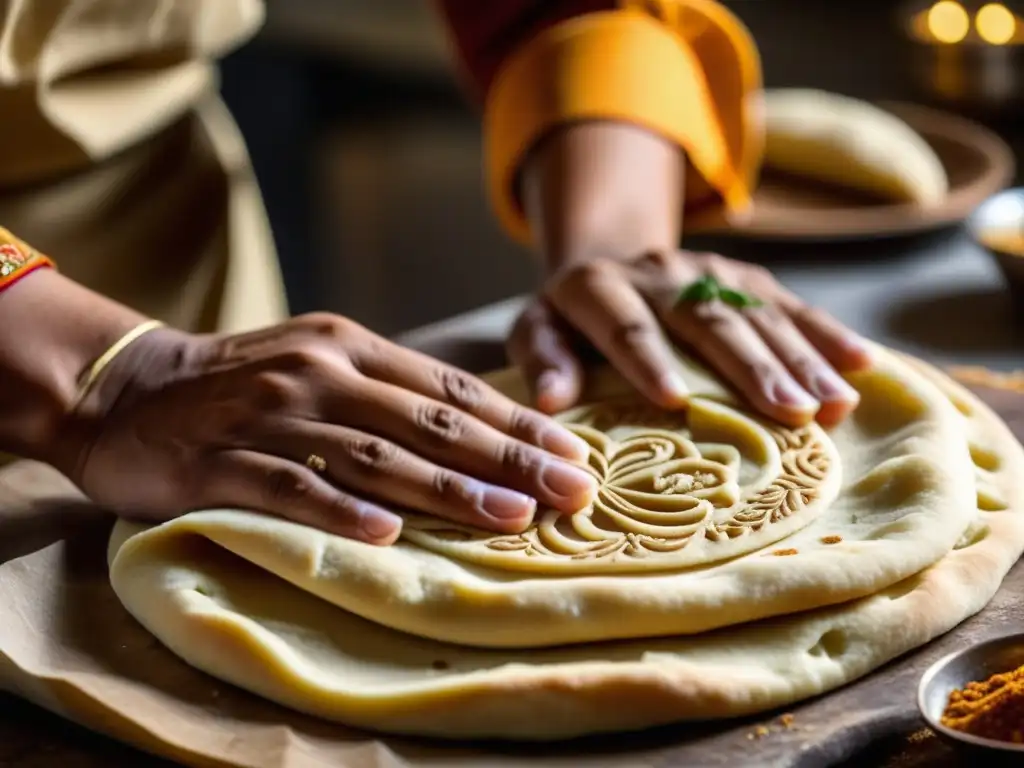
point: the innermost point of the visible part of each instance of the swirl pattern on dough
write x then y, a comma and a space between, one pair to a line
676, 490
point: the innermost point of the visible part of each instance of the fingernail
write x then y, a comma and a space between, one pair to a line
789, 394
829, 387
854, 345
565, 443
673, 385
507, 505
567, 481
553, 384
379, 523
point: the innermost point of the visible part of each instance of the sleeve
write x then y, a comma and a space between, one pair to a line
685, 69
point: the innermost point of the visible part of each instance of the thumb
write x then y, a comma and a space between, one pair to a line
540, 347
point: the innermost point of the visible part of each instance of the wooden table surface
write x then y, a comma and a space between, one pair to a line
33, 738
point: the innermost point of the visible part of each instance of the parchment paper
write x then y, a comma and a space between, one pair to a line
67, 644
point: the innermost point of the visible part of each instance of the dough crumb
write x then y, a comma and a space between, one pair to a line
831, 539
922, 735
786, 721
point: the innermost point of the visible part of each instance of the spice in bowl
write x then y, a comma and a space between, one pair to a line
1010, 242
990, 709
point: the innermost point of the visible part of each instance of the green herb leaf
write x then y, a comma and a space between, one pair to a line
704, 289
738, 299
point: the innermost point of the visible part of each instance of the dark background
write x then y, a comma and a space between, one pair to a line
369, 155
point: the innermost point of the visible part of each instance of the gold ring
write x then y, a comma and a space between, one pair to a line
316, 463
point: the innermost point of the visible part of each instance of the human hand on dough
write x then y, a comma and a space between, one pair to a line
323, 422
783, 356
604, 204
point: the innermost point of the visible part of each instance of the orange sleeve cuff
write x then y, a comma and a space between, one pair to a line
690, 74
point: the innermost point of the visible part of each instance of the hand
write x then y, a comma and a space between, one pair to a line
783, 356
190, 422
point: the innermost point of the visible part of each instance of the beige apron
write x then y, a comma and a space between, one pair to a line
118, 159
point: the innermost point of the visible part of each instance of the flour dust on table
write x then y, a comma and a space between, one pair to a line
727, 566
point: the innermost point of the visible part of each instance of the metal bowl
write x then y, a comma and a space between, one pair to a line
991, 224
974, 663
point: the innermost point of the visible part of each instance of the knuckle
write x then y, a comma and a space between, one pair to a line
761, 370
626, 336
657, 261
803, 366
525, 423
518, 458
460, 389
302, 357
274, 391
441, 423
285, 485
451, 488
715, 316
371, 453
768, 317
318, 323
323, 323
371, 347
582, 276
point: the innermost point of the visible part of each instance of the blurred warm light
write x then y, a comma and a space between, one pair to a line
948, 22
995, 24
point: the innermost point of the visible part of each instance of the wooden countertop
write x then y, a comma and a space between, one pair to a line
33, 738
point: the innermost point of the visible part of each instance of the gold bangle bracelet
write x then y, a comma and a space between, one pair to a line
89, 379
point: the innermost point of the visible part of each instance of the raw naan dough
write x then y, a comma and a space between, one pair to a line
852, 144
896, 477
242, 624
677, 490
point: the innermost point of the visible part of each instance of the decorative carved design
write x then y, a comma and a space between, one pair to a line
805, 463
659, 491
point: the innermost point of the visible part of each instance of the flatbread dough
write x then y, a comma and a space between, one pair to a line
242, 623
851, 144
897, 477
